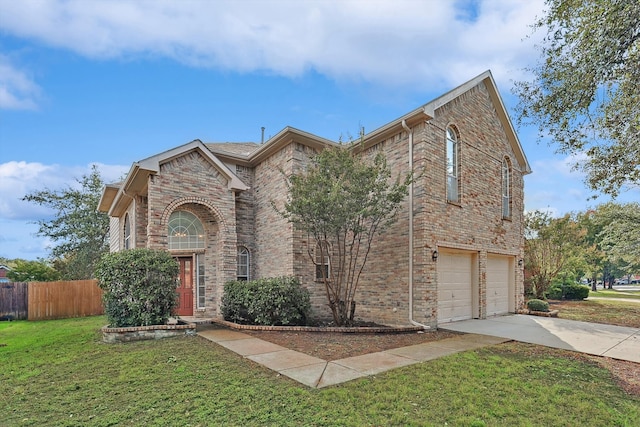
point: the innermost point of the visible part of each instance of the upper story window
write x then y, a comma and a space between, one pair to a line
127, 232
185, 231
322, 260
243, 263
506, 188
453, 166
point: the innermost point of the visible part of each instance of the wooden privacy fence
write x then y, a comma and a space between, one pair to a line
13, 300
57, 300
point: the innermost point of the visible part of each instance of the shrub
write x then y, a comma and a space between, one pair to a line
554, 292
568, 290
537, 305
139, 286
269, 301
575, 291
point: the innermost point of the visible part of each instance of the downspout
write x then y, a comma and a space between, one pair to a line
413, 322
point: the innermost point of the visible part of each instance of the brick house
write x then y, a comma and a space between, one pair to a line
455, 252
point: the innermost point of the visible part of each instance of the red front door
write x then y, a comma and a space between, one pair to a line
185, 288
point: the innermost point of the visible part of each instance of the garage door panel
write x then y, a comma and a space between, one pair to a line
498, 283
454, 286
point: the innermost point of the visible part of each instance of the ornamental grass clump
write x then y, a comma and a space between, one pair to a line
139, 287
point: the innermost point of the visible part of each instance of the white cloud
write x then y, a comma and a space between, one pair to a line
19, 178
17, 90
397, 43
18, 218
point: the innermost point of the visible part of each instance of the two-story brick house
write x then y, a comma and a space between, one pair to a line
454, 253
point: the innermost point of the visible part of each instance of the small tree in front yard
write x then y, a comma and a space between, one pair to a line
553, 246
342, 202
139, 286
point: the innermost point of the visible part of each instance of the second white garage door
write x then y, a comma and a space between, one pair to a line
499, 281
455, 279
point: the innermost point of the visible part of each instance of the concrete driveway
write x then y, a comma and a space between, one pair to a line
617, 342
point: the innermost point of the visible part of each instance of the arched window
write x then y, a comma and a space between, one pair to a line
453, 170
243, 263
506, 188
127, 232
322, 259
185, 231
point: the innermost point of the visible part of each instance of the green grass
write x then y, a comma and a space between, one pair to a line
612, 293
59, 373
620, 312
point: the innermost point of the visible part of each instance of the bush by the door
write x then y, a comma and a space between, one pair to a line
139, 286
269, 301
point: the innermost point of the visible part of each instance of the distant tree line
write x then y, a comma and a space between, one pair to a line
600, 244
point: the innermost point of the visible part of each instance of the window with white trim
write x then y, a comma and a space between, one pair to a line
127, 232
243, 263
506, 188
185, 231
200, 279
322, 261
453, 169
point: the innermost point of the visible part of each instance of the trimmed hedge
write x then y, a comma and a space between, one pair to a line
139, 286
575, 291
567, 291
554, 292
537, 305
278, 301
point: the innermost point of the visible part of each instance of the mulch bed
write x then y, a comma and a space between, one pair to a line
336, 345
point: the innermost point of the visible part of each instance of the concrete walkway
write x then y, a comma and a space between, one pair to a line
316, 373
617, 342
592, 338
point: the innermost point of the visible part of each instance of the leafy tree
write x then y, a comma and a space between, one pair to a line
593, 255
584, 91
620, 235
79, 230
342, 202
32, 271
552, 246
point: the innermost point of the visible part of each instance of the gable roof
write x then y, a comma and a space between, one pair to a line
252, 154
116, 197
427, 112
501, 111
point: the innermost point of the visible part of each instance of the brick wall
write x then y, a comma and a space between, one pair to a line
191, 183
475, 224
248, 218
245, 215
273, 235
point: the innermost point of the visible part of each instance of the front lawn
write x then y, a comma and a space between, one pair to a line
57, 373
612, 293
620, 311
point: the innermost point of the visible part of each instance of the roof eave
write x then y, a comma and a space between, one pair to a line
286, 136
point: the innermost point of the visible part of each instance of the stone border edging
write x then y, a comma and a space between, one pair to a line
552, 313
149, 328
349, 330
151, 332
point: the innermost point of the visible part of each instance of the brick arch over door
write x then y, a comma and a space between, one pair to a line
171, 207
220, 259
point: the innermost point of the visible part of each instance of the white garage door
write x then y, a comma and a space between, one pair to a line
455, 275
498, 283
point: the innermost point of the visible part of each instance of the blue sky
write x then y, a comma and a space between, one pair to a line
113, 82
